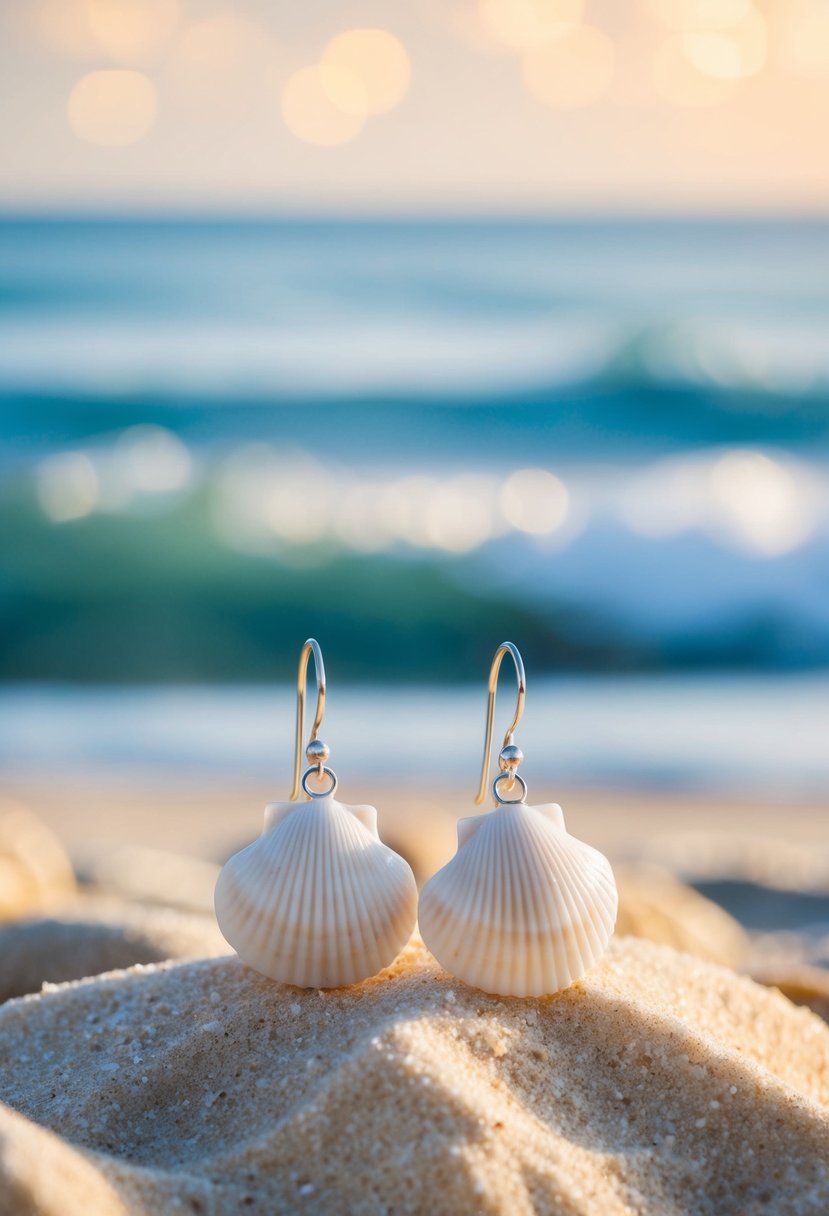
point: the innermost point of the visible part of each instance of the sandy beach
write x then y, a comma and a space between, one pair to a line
209, 821
655, 1084
665, 1080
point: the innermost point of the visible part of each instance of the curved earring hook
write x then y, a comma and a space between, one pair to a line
312, 646
511, 649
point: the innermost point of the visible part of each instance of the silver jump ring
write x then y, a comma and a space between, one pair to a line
315, 769
507, 777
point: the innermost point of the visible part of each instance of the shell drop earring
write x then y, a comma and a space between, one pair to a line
523, 908
318, 900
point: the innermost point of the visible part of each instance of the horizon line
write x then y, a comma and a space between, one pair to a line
185, 213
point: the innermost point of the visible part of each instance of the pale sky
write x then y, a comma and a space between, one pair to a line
483, 105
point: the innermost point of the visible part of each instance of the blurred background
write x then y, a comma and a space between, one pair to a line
413, 326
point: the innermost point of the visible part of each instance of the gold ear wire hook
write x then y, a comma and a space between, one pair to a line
311, 647
511, 649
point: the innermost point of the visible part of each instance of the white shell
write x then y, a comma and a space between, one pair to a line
317, 900
523, 908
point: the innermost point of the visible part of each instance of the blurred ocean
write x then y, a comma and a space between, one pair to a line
608, 440
753, 738
592, 338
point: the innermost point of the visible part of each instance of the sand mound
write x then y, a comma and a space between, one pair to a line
802, 984
35, 873
655, 905
659, 1083
92, 935
153, 876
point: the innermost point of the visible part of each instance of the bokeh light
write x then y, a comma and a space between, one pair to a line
379, 62
535, 501
113, 107
63, 25
572, 71
729, 54
299, 509
264, 496
765, 504
321, 105
217, 65
268, 500
460, 513
805, 42
714, 55
744, 498
345, 89
700, 14
144, 471
678, 81
126, 29
524, 24
67, 486
152, 460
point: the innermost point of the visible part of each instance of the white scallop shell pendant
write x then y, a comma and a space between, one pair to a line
523, 908
318, 900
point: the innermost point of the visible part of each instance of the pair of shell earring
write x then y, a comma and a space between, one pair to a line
522, 909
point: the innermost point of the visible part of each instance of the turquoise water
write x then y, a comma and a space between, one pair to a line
592, 338
218, 437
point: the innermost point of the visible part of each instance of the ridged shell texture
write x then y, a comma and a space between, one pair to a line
318, 900
523, 908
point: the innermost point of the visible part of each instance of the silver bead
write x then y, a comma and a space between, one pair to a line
317, 752
509, 758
